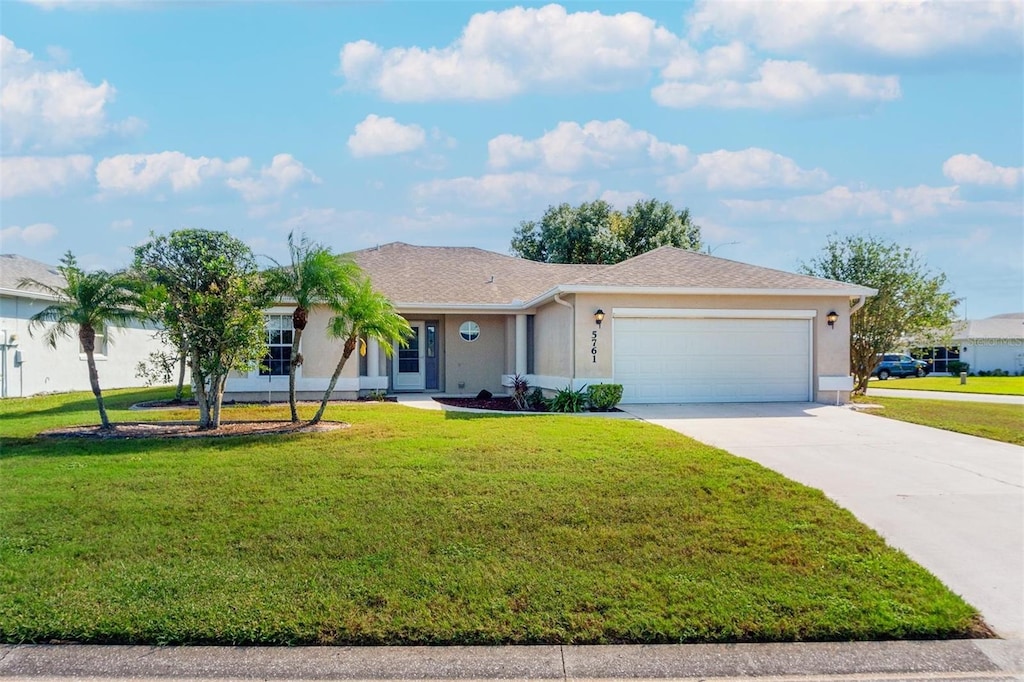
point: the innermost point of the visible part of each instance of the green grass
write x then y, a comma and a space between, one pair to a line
995, 421
420, 527
993, 385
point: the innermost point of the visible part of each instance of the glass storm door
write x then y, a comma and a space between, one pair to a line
408, 365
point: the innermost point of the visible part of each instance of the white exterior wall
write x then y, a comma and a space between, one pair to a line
1004, 354
50, 370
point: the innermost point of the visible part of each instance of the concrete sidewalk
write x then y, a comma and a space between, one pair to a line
860, 661
945, 395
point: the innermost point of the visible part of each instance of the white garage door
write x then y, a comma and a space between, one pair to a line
712, 360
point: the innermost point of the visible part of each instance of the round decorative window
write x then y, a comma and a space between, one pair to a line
469, 330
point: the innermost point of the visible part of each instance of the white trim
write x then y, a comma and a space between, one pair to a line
280, 383
444, 308
372, 383
556, 383
849, 291
26, 293
716, 313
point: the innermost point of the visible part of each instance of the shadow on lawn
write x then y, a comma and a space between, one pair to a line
49, 447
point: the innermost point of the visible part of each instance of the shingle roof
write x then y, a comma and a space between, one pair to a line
999, 327
14, 268
459, 275
443, 275
668, 266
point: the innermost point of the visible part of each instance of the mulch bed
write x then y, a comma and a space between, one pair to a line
138, 430
504, 404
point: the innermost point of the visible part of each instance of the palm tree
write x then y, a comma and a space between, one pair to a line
316, 275
88, 301
364, 312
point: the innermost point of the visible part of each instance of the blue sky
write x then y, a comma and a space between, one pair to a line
360, 123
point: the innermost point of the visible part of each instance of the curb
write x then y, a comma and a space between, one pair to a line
860, 661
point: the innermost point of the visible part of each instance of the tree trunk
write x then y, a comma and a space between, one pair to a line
199, 388
180, 392
87, 335
216, 397
350, 345
299, 319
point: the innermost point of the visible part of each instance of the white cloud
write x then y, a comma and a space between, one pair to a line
138, 173
376, 136
776, 85
503, 189
897, 205
571, 147
311, 218
971, 169
501, 54
622, 200
122, 225
907, 29
21, 175
47, 108
32, 235
283, 173
751, 168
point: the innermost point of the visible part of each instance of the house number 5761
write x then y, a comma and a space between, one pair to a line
593, 346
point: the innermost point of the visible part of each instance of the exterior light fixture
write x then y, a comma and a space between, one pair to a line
831, 318
599, 316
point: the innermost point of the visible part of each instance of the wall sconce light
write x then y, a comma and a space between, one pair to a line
831, 318
599, 316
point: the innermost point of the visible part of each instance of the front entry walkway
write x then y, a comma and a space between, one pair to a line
953, 503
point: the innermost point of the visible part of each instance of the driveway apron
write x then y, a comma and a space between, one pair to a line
953, 503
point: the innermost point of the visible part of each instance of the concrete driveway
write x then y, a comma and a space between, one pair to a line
953, 503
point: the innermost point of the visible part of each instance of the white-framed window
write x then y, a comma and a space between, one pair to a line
99, 346
469, 331
279, 346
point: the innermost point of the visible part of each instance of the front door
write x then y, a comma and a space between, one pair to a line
409, 368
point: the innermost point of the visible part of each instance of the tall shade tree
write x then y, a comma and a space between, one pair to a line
594, 232
368, 313
316, 275
208, 292
911, 301
87, 303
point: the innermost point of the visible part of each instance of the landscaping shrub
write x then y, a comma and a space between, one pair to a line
604, 397
568, 400
536, 400
956, 366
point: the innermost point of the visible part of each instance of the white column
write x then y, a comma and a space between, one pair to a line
521, 344
372, 358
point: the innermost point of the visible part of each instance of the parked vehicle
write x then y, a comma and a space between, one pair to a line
899, 365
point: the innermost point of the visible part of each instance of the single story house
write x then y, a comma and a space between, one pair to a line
669, 325
992, 343
29, 366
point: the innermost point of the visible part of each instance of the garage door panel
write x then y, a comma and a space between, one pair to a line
712, 360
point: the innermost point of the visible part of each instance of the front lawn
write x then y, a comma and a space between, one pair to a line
995, 421
993, 385
420, 527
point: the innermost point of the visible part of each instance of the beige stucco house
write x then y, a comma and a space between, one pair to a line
669, 325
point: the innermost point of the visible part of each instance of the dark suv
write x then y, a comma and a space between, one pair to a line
899, 365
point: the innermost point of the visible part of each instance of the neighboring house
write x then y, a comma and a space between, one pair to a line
29, 366
678, 326
986, 345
